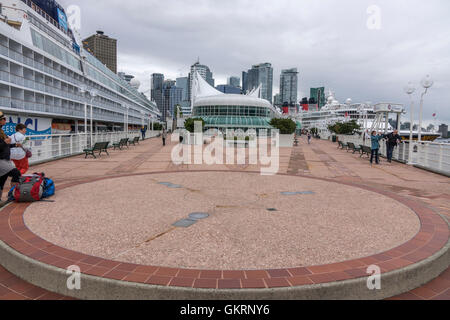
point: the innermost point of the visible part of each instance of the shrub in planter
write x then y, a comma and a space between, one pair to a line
189, 124
286, 126
345, 127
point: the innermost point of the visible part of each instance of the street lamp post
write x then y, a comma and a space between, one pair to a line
409, 90
128, 108
92, 93
427, 83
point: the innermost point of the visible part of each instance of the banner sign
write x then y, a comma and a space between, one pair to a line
35, 126
62, 19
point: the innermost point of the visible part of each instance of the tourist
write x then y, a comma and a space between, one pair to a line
309, 137
393, 139
7, 168
164, 136
143, 130
18, 155
375, 138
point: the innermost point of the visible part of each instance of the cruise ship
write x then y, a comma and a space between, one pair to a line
50, 83
362, 113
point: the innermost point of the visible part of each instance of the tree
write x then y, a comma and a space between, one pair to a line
345, 127
157, 126
286, 126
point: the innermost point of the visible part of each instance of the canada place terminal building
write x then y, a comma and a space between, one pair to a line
230, 111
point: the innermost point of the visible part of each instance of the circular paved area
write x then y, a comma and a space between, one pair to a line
26, 252
251, 224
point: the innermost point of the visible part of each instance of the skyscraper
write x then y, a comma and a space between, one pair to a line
226, 88
157, 90
261, 74
103, 48
277, 102
234, 82
289, 86
183, 83
172, 97
204, 72
244, 82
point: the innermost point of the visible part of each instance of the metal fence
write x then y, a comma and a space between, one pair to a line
429, 155
54, 146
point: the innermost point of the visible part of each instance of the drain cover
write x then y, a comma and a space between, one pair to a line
296, 193
175, 186
185, 223
198, 215
170, 185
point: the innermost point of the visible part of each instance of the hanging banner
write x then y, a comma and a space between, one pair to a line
35, 126
62, 19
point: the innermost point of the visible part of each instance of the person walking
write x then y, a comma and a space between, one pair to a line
309, 137
143, 130
375, 139
7, 168
164, 136
19, 155
393, 139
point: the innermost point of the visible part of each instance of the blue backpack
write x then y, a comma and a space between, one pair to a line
49, 188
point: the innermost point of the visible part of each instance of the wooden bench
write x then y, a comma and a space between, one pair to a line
365, 150
351, 146
121, 143
134, 141
100, 147
342, 145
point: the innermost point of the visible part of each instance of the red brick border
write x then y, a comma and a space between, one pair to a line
432, 237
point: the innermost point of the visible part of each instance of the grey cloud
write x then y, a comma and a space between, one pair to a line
327, 40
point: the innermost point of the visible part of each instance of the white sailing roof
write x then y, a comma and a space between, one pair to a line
204, 94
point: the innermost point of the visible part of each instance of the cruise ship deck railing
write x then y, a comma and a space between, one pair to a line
55, 146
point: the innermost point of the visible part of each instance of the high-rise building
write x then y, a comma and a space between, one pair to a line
183, 83
443, 129
226, 88
261, 74
319, 96
277, 102
204, 72
289, 86
234, 82
103, 48
244, 82
157, 90
172, 96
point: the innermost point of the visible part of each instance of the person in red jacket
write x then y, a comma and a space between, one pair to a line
18, 155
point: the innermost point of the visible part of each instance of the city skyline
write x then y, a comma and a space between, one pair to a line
349, 58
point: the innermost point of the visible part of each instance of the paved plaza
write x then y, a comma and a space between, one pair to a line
124, 219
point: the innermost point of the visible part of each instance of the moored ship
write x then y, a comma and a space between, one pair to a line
51, 84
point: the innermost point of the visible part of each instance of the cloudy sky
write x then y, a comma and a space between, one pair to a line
367, 50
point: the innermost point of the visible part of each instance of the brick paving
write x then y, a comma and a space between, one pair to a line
410, 183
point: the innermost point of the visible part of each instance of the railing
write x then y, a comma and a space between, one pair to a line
428, 155
54, 146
